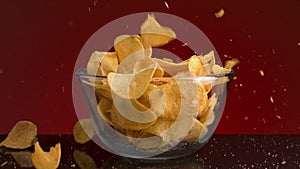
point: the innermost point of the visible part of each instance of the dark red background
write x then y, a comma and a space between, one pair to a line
40, 41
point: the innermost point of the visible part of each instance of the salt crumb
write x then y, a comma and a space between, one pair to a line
230, 40
246, 118
279, 117
241, 85
1, 71
63, 89
185, 44
254, 91
298, 43
264, 121
220, 13
89, 9
226, 56
261, 72
283, 162
167, 5
271, 99
95, 3
284, 89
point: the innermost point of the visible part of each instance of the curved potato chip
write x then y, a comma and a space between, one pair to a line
208, 117
172, 68
103, 91
83, 160
147, 62
21, 136
229, 64
159, 126
173, 100
83, 131
195, 65
126, 45
131, 86
102, 63
104, 109
46, 160
152, 33
145, 98
120, 121
195, 133
127, 65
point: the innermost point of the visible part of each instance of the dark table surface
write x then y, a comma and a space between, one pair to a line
222, 151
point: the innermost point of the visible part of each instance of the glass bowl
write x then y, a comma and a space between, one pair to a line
182, 137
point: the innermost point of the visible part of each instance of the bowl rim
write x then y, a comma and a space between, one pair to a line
82, 72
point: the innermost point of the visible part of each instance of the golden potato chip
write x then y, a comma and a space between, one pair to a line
229, 64
145, 63
46, 160
153, 34
203, 98
145, 98
120, 121
173, 100
172, 68
126, 45
159, 126
195, 132
102, 63
128, 64
83, 131
23, 158
103, 91
195, 66
104, 108
208, 117
21, 135
83, 160
131, 86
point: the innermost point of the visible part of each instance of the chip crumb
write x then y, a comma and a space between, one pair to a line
3, 164
284, 89
167, 5
261, 72
63, 89
271, 99
235, 77
249, 36
246, 118
220, 13
279, 117
89, 9
298, 43
73, 165
273, 51
185, 44
283, 162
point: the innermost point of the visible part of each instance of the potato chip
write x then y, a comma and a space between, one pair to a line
128, 64
203, 98
21, 135
195, 66
195, 132
153, 34
147, 62
171, 68
220, 13
46, 160
131, 86
83, 160
126, 45
102, 63
120, 121
145, 98
229, 64
103, 91
208, 117
173, 100
159, 126
23, 158
104, 108
83, 131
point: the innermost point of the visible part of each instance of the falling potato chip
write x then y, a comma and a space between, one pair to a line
46, 160
126, 45
220, 13
83, 160
23, 158
83, 131
229, 64
153, 34
102, 63
21, 135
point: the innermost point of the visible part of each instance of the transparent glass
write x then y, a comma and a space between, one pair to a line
116, 142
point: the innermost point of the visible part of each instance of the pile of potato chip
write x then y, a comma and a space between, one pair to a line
142, 95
